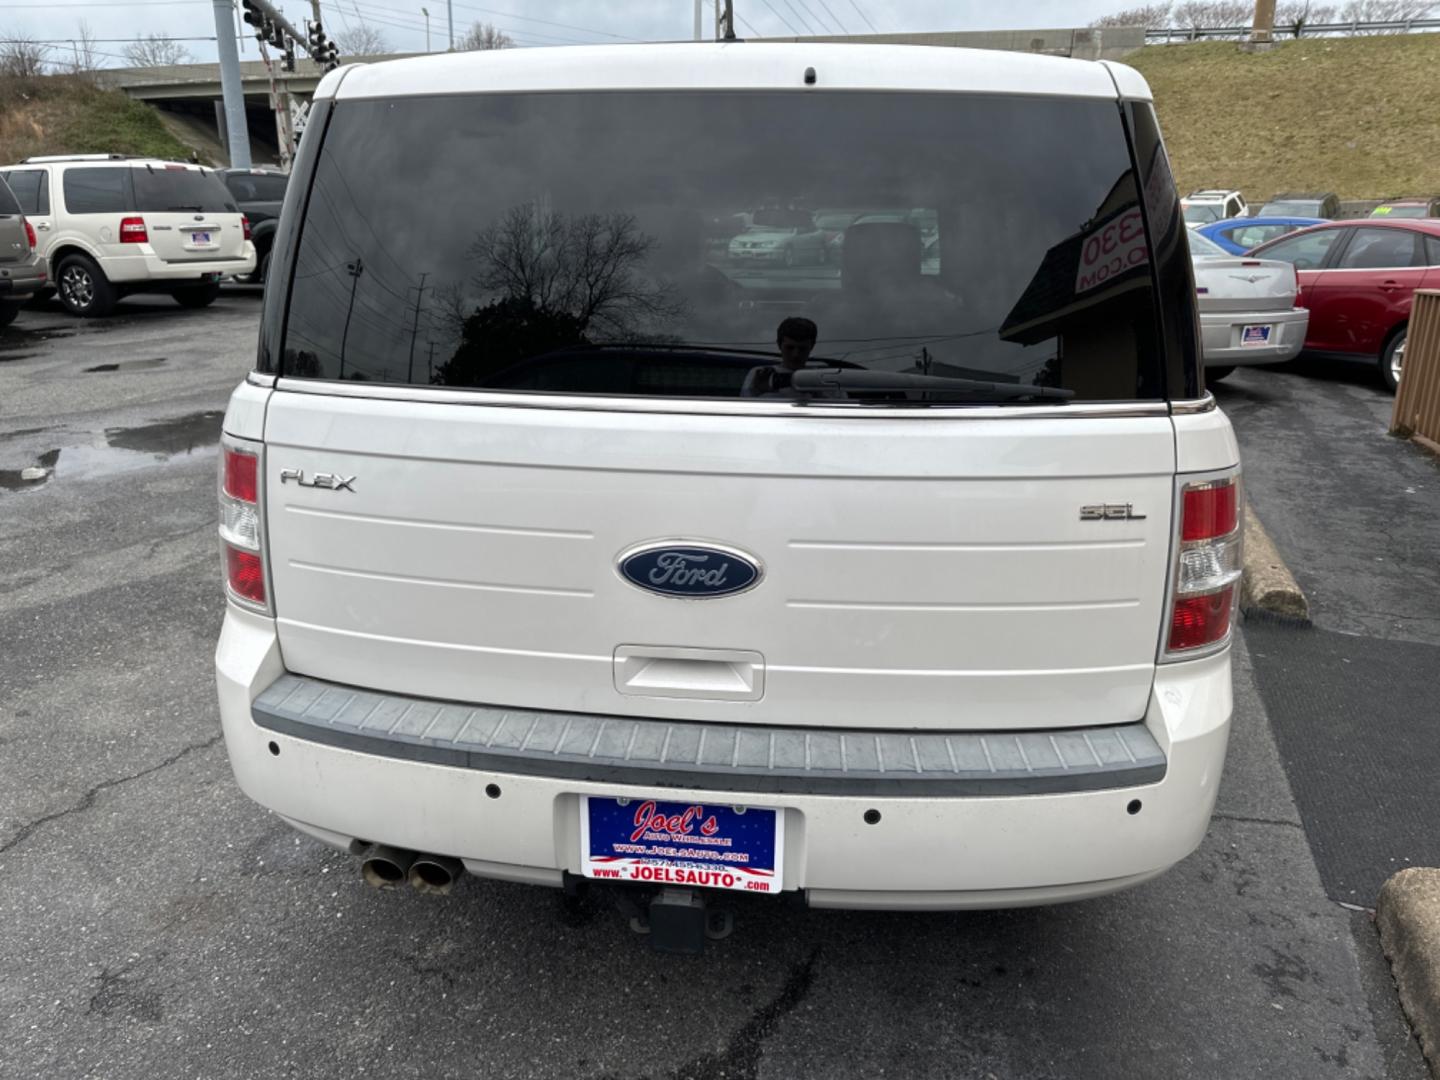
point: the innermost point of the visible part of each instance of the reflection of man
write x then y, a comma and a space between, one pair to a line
796, 338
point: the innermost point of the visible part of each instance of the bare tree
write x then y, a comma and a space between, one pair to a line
362, 40
584, 266
86, 59
482, 35
23, 57
1150, 16
1386, 11
1202, 14
1303, 13
155, 50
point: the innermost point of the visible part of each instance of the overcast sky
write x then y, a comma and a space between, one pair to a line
535, 22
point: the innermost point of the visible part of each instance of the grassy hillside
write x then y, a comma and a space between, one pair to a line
61, 114
1357, 116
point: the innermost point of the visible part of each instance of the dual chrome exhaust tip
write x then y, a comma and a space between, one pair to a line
385, 867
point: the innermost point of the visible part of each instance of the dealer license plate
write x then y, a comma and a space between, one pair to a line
654, 842
1255, 335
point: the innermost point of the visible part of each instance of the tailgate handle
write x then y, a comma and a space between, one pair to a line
680, 672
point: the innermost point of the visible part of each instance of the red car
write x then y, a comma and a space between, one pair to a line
1358, 279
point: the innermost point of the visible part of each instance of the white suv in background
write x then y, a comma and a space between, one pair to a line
1203, 207
112, 225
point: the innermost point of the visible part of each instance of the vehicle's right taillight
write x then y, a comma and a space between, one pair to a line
242, 524
1208, 565
30, 234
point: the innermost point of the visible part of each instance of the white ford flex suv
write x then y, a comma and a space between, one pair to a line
112, 225
561, 546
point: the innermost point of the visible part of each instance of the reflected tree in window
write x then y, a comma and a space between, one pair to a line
553, 281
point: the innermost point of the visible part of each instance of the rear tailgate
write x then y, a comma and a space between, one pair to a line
189, 214
917, 573
1244, 284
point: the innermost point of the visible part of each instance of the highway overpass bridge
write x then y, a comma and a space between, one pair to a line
189, 94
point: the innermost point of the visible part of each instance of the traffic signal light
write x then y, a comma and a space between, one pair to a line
321, 49
288, 63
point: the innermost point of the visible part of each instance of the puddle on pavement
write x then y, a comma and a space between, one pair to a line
126, 449
128, 365
169, 437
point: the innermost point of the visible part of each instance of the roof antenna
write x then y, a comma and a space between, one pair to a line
727, 21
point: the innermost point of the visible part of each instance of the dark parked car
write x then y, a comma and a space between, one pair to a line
1358, 278
259, 193
1408, 208
1325, 205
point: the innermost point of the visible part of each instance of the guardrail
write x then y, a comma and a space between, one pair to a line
1291, 30
1417, 402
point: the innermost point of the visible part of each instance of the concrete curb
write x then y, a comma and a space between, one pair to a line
1408, 917
1268, 585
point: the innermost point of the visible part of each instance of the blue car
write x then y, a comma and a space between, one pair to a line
1239, 235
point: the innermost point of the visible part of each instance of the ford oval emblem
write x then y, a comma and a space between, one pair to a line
699, 571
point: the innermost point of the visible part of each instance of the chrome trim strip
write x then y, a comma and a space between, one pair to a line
258, 378
1195, 405
697, 407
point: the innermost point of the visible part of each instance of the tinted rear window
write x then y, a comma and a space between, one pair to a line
103, 190
652, 244
178, 190
31, 189
8, 203
257, 187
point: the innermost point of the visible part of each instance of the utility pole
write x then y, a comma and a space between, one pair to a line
1263, 30
450, 17
426, 13
419, 292
354, 269
230, 88
698, 5
430, 364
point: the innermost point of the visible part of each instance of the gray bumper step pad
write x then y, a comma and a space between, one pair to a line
721, 757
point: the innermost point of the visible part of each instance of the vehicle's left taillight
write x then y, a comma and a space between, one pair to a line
242, 522
1207, 567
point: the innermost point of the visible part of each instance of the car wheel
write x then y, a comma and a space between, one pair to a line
197, 296
1392, 357
83, 287
8, 313
1215, 374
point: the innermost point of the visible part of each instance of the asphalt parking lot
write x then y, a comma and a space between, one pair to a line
154, 922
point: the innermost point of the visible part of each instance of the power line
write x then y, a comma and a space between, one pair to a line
750, 30
392, 19
813, 17
858, 11
798, 17
545, 22
93, 41
782, 18
832, 15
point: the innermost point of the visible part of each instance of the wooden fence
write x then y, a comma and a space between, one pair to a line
1417, 403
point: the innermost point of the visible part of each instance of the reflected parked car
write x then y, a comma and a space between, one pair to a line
786, 237
1203, 207
259, 193
1237, 236
1248, 309
1359, 279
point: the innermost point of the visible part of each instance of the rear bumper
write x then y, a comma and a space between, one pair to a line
19, 280
1222, 336
929, 851
142, 269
